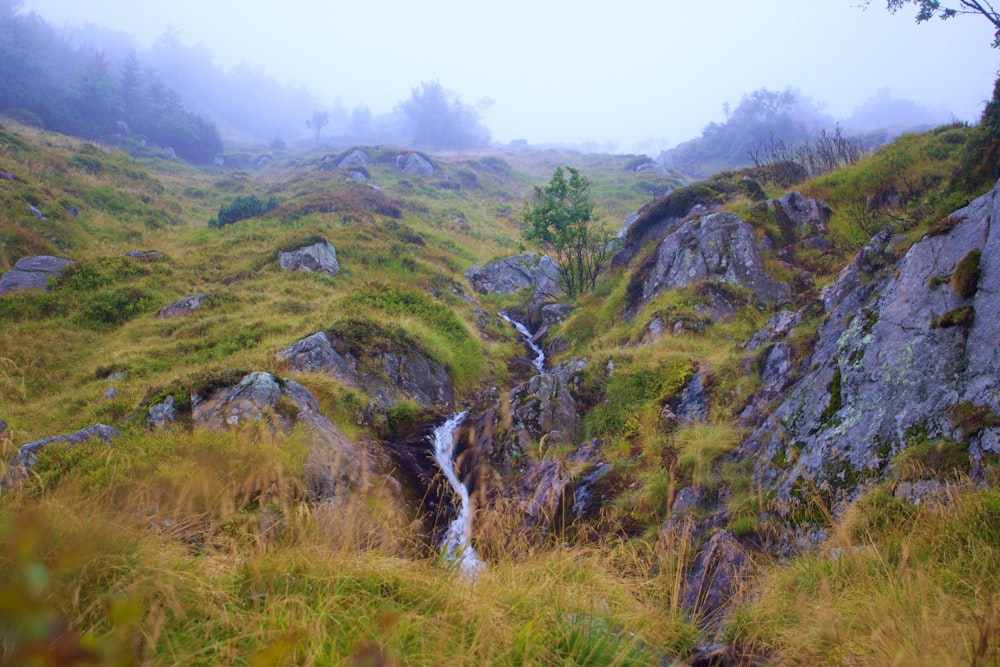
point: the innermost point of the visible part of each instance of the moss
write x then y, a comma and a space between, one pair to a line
929, 458
970, 418
960, 317
836, 400
965, 279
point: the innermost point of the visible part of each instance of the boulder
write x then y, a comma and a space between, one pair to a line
554, 313
356, 158
185, 306
557, 489
414, 164
906, 348
320, 257
691, 404
719, 247
511, 274
27, 455
388, 376
32, 273
335, 467
800, 217
162, 414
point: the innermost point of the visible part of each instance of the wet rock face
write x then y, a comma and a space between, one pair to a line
718, 247
903, 346
387, 376
334, 467
27, 455
511, 274
32, 273
320, 257
557, 490
183, 307
544, 406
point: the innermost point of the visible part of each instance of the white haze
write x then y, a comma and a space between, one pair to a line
636, 75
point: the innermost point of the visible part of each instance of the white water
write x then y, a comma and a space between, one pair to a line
456, 545
539, 359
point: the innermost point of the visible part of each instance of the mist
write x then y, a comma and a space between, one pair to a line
632, 77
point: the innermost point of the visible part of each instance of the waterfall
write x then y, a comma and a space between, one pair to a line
456, 546
539, 359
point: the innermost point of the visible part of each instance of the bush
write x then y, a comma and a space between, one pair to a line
243, 208
966, 277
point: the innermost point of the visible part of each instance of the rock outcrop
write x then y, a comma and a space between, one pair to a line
511, 274
719, 247
335, 467
320, 257
32, 273
387, 375
907, 352
542, 407
27, 455
185, 306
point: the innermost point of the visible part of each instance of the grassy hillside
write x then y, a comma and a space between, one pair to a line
180, 547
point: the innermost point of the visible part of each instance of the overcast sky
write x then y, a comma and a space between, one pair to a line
580, 70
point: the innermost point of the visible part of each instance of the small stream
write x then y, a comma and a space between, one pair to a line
456, 545
539, 360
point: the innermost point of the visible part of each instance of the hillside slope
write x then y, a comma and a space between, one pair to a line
262, 488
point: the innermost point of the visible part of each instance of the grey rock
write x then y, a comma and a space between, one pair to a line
882, 369
414, 164
718, 573
145, 255
36, 212
219, 161
110, 394
358, 175
32, 273
801, 216
691, 404
320, 257
162, 414
27, 455
554, 313
356, 157
263, 161
185, 306
779, 325
5, 434
387, 377
335, 468
511, 274
557, 489
73, 211
542, 407
718, 247
170, 152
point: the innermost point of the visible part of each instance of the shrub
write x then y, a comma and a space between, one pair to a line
243, 208
960, 317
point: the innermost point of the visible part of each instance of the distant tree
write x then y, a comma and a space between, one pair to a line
319, 120
928, 9
440, 120
130, 84
561, 220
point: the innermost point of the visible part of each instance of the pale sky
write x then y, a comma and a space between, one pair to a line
580, 70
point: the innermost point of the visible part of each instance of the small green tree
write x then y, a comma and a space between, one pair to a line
561, 221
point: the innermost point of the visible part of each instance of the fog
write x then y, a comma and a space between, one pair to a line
634, 76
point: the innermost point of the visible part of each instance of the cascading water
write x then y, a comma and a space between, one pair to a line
539, 359
456, 545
